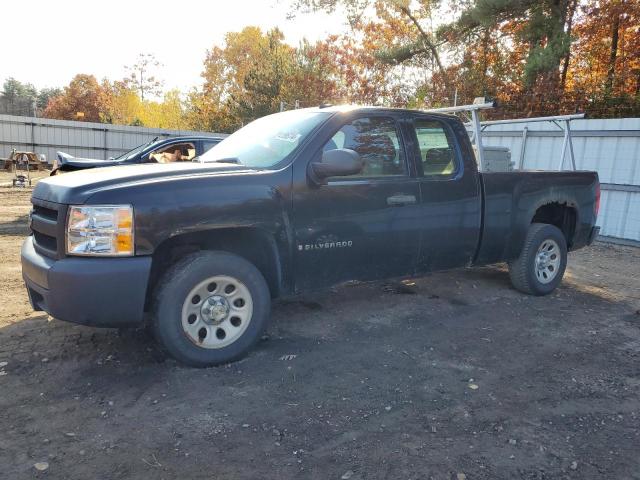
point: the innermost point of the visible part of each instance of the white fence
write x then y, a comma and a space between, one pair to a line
80, 139
611, 147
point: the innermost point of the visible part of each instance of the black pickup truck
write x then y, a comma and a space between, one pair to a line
293, 201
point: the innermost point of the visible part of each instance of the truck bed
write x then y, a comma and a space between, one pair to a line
511, 200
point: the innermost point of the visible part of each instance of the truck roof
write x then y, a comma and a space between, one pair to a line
192, 137
372, 108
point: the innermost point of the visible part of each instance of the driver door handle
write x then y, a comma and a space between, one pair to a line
401, 200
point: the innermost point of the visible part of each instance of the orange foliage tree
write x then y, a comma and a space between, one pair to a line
82, 99
537, 57
604, 73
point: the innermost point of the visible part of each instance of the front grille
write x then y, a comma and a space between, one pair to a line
47, 224
46, 242
45, 212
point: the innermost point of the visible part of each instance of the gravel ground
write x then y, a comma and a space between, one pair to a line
450, 376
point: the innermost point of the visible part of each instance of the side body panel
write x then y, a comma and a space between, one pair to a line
512, 198
206, 204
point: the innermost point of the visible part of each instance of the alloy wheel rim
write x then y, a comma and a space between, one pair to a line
547, 261
216, 312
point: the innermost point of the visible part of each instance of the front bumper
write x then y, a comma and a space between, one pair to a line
101, 292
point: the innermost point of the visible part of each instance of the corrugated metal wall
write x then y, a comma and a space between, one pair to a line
80, 139
611, 147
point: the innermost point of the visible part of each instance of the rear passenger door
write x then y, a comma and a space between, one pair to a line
450, 197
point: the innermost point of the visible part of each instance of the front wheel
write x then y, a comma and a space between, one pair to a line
210, 308
541, 264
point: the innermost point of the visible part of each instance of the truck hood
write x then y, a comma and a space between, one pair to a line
76, 187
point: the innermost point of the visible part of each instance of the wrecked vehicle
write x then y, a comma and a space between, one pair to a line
294, 201
165, 150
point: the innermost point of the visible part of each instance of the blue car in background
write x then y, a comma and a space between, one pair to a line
165, 150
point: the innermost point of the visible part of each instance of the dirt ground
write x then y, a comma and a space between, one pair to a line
451, 376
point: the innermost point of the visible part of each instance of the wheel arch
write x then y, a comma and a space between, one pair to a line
254, 244
563, 215
557, 210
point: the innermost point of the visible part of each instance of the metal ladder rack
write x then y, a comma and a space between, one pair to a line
477, 127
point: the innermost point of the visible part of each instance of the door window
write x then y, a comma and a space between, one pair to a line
377, 141
207, 145
437, 152
176, 152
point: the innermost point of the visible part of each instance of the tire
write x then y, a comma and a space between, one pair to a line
199, 319
540, 267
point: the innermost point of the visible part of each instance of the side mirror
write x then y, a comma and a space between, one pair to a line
339, 162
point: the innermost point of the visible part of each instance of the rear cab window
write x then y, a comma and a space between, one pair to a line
437, 149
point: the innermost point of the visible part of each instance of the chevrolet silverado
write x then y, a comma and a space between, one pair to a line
293, 201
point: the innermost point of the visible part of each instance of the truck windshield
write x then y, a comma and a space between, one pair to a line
131, 153
267, 141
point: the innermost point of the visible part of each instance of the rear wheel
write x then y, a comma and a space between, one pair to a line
210, 308
540, 267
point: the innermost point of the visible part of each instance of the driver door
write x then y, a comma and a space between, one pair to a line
363, 226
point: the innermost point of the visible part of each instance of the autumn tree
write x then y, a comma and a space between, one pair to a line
211, 106
537, 57
254, 72
544, 31
243, 80
538, 42
605, 71
84, 95
46, 94
122, 105
393, 32
314, 75
168, 113
262, 86
142, 78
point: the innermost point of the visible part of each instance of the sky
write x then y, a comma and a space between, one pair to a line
47, 42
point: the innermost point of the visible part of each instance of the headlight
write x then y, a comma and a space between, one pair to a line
100, 230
